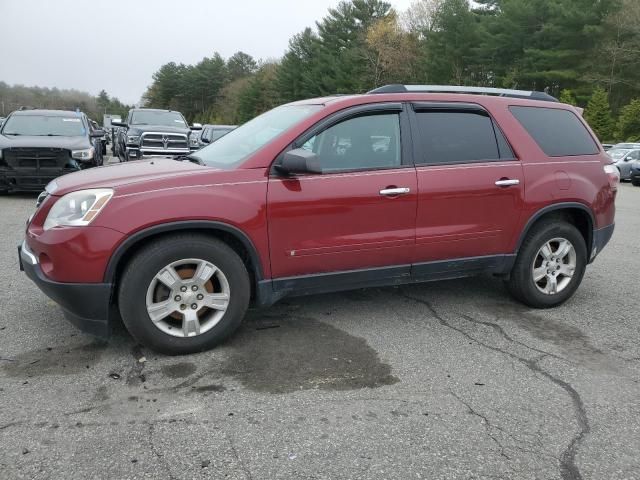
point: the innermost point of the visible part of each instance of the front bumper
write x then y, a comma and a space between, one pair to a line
29, 180
135, 153
85, 305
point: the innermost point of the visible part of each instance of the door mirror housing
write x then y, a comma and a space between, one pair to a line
299, 160
196, 126
97, 134
115, 123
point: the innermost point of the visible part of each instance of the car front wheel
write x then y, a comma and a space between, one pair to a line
549, 266
184, 294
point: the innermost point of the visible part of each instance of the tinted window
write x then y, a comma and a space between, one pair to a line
557, 132
366, 142
457, 137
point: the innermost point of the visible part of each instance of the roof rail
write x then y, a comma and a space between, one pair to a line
502, 92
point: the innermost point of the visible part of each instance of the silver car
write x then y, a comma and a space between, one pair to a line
623, 158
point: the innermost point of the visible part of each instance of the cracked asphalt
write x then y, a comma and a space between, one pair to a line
448, 380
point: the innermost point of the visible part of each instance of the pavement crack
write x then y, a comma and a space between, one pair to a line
568, 468
245, 469
157, 454
486, 422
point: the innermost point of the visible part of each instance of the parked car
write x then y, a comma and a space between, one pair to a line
37, 146
623, 157
150, 132
104, 140
300, 201
628, 145
635, 173
209, 134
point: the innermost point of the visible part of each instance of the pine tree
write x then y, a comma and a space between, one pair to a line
629, 122
567, 96
598, 114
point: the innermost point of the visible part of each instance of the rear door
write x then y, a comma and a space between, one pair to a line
359, 213
470, 185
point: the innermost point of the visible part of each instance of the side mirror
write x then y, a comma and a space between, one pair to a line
115, 123
97, 134
205, 140
196, 126
299, 160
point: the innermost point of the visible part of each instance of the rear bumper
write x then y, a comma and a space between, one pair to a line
85, 305
600, 239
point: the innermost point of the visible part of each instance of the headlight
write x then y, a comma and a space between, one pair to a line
78, 209
86, 154
194, 141
133, 139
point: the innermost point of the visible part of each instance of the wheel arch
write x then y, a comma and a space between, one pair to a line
232, 236
575, 213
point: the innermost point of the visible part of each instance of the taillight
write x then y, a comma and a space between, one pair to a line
613, 174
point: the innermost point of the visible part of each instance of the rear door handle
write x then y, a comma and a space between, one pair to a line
507, 182
394, 192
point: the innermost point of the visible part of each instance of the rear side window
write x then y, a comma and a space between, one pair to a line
459, 137
557, 132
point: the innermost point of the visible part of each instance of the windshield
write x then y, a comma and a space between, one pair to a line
618, 153
245, 140
165, 119
44, 125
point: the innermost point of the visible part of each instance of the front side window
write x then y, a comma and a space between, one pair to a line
361, 143
450, 137
557, 132
45, 126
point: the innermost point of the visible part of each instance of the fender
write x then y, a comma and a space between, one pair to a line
559, 206
116, 257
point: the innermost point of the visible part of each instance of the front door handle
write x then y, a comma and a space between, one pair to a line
507, 182
394, 192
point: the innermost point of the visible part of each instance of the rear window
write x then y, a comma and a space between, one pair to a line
557, 132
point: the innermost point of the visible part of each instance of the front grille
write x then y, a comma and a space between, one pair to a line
164, 141
36, 158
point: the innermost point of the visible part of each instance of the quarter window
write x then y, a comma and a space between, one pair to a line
557, 132
459, 137
361, 143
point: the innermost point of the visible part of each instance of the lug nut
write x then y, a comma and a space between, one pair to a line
194, 306
183, 306
183, 289
200, 296
194, 288
177, 298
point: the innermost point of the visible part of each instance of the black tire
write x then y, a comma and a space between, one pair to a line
143, 267
521, 284
635, 183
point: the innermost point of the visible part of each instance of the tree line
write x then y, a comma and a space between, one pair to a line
13, 97
586, 52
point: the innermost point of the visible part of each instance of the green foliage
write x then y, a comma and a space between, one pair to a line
567, 96
629, 122
598, 114
16, 96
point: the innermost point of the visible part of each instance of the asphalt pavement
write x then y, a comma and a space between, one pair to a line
447, 380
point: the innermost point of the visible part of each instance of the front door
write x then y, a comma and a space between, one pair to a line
359, 213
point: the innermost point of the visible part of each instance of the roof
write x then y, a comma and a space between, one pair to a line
209, 125
46, 113
153, 110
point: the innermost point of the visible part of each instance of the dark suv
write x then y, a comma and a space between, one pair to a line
405, 184
37, 146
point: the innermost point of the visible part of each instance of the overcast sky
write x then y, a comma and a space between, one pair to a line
118, 44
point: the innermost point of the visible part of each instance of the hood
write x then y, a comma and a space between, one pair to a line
120, 174
138, 129
26, 141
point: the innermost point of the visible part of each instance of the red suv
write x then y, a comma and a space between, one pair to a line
404, 184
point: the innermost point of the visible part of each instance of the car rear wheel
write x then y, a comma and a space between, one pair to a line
184, 294
550, 265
